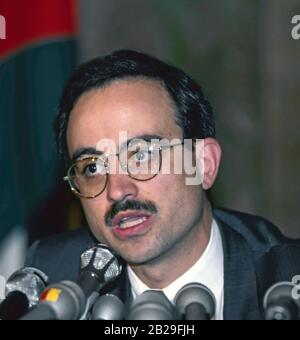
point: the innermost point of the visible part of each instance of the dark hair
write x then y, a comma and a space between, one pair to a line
194, 113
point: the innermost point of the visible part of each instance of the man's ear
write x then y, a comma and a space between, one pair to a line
211, 153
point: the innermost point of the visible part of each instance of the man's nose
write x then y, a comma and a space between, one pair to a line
121, 187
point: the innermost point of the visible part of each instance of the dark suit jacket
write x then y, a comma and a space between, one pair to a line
256, 256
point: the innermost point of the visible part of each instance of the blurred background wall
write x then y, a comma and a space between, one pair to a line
242, 54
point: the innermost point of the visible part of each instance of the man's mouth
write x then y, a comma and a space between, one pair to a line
130, 224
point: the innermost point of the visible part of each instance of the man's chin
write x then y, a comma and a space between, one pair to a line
139, 259
135, 252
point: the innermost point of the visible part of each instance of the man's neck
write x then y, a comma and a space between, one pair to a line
161, 273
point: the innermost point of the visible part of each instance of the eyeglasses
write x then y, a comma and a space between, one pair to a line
141, 160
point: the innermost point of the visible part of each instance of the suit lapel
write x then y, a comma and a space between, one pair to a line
240, 285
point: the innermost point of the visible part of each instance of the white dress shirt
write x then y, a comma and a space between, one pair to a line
208, 270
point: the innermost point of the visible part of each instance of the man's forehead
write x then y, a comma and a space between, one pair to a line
133, 98
135, 106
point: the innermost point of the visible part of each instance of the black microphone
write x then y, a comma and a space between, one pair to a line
72, 301
195, 301
108, 307
14, 306
152, 305
280, 302
22, 291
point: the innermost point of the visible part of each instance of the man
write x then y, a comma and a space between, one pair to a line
161, 225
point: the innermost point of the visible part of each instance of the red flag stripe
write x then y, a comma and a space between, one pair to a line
29, 21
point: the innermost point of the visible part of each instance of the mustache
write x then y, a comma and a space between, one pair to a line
145, 206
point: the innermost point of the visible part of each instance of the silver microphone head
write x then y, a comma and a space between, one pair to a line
101, 258
108, 307
152, 305
196, 293
29, 281
280, 303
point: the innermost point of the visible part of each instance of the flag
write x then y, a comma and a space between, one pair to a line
36, 58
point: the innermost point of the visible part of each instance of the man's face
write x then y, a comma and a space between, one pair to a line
139, 107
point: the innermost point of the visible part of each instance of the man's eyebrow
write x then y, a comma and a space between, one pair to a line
94, 152
86, 151
146, 138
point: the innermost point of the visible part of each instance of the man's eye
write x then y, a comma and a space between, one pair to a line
142, 156
94, 169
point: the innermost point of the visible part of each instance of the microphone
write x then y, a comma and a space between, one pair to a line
279, 303
72, 301
195, 301
22, 291
108, 307
152, 305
